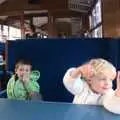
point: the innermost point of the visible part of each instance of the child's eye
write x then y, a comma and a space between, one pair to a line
21, 69
102, 79
27, 70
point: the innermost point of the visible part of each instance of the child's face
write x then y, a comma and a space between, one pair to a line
100, 84
23, 70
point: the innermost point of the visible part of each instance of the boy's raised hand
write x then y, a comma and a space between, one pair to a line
86, 70
26, 77
117, 91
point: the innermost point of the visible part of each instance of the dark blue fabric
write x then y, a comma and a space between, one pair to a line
54, 56
2, 52
3, 94
2, 48
113, 55
2, 70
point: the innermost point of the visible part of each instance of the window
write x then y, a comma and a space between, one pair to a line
98, 12
15, 33
5, 32
95, 17
97, 32
95, 20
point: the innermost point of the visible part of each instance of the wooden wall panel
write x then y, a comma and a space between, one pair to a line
111, 18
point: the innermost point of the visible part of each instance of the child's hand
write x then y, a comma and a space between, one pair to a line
117, 91
86, 71
26, 77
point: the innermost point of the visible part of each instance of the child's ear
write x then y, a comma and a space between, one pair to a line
15, 71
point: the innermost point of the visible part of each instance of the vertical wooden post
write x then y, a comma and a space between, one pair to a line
22, 26
50, 25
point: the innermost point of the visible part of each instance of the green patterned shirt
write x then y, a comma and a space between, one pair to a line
16, 89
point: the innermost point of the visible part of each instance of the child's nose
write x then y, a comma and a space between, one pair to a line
23, 72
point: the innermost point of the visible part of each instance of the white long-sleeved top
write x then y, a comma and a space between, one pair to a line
84, 95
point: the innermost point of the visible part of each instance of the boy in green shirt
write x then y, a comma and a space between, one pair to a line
23, 84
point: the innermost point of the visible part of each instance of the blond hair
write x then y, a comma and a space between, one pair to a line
102, 66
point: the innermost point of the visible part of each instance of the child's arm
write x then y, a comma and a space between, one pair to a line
117, 91
72, 81
10, 88
32, 87
112, 100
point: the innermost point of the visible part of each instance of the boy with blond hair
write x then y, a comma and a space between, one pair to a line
91, 83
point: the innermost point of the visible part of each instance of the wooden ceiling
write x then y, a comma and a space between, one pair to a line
16, 7
13, 9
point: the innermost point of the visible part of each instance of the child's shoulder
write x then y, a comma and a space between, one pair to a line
12, 78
